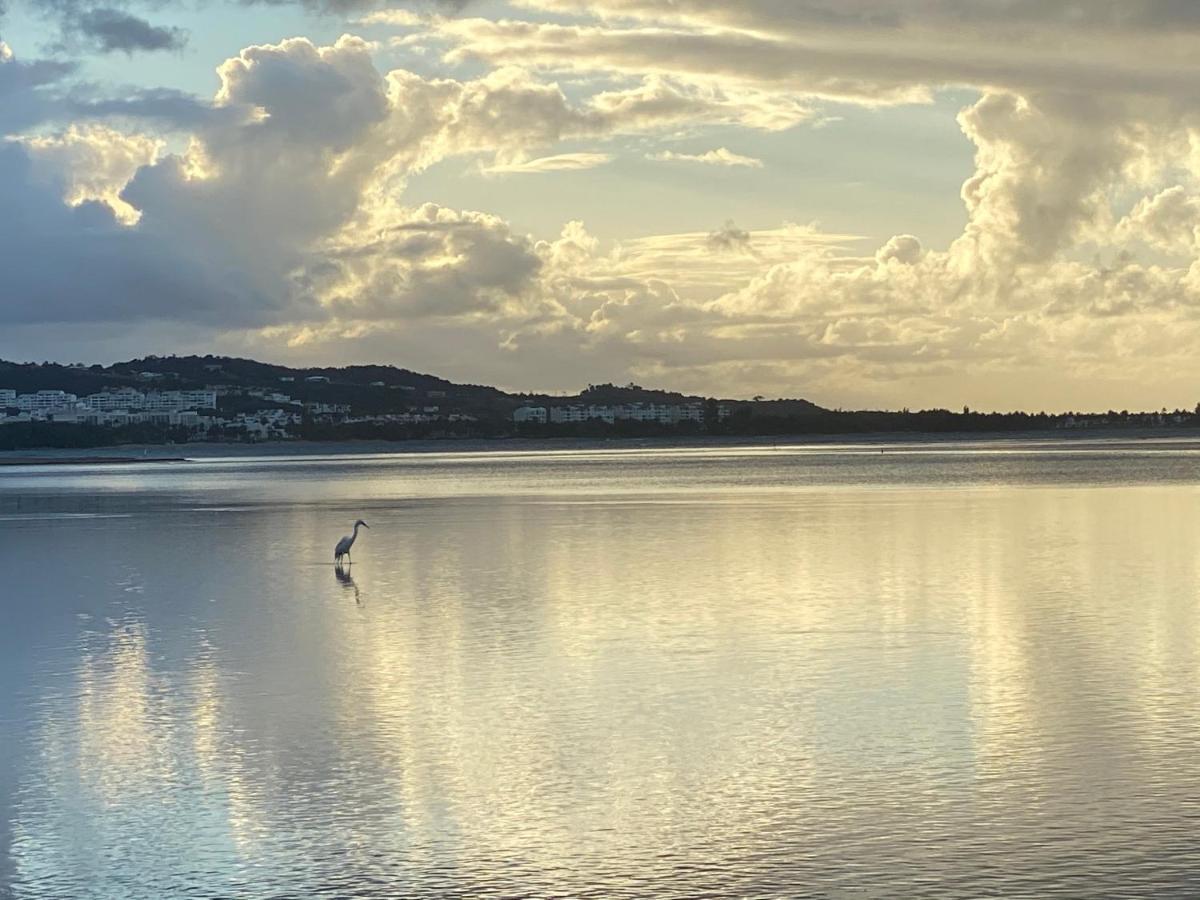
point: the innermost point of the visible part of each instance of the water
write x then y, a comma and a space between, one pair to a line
941, 670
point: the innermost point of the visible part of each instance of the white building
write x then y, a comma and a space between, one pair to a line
111, 401
7, 397
176, 400
45, 400
535, 414
128, 399
562, 414
662, 413
315, 408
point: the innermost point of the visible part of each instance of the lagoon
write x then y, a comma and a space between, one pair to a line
937, 670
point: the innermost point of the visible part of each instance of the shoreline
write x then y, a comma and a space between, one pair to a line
85, 460
200, 451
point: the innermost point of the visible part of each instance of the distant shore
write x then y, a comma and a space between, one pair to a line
178, 453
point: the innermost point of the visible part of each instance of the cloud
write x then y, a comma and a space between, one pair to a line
286, 194
902, 248
111, 30
93, 164
275, 215
719, 157
867, 52
26, 89
729, 238
562, 162
63, 263
42, 90
1169, 220
429, 262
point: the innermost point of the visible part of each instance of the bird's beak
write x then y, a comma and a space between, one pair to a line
365, 525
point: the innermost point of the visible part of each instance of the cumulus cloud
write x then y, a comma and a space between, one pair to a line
1169, 220
93, 163
902, 248
719, 157
287, 192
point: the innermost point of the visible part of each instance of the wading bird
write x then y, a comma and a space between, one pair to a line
344, 545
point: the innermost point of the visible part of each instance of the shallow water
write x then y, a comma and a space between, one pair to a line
951, 670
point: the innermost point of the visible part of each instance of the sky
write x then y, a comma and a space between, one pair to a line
993, 203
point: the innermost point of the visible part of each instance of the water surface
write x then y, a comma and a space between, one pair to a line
946, 670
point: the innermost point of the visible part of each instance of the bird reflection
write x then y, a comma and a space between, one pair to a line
346, 580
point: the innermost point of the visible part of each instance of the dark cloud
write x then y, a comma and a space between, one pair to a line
78, 264
26, 89
109, 28
729, 238
112, 30
38, 91
164, 107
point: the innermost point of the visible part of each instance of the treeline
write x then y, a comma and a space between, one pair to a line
932, 421
396, 431
37, 435
750, 421
743, 422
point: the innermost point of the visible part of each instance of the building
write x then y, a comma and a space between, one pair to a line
535, 414
45, 400
128, 399
317, 379
110, 401
7, 397
327, 409
662, 413
568, 414
172, 401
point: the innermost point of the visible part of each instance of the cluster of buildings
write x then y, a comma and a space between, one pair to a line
196, 410
109, 408
661, 413
192, 409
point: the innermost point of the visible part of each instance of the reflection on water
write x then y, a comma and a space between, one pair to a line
746, 674
346, 580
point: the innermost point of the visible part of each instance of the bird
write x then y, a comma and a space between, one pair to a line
344, 545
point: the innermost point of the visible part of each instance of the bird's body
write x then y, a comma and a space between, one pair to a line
344, 545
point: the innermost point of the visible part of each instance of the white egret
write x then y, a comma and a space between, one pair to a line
344, 545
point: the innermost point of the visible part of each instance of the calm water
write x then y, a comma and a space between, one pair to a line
831, 672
